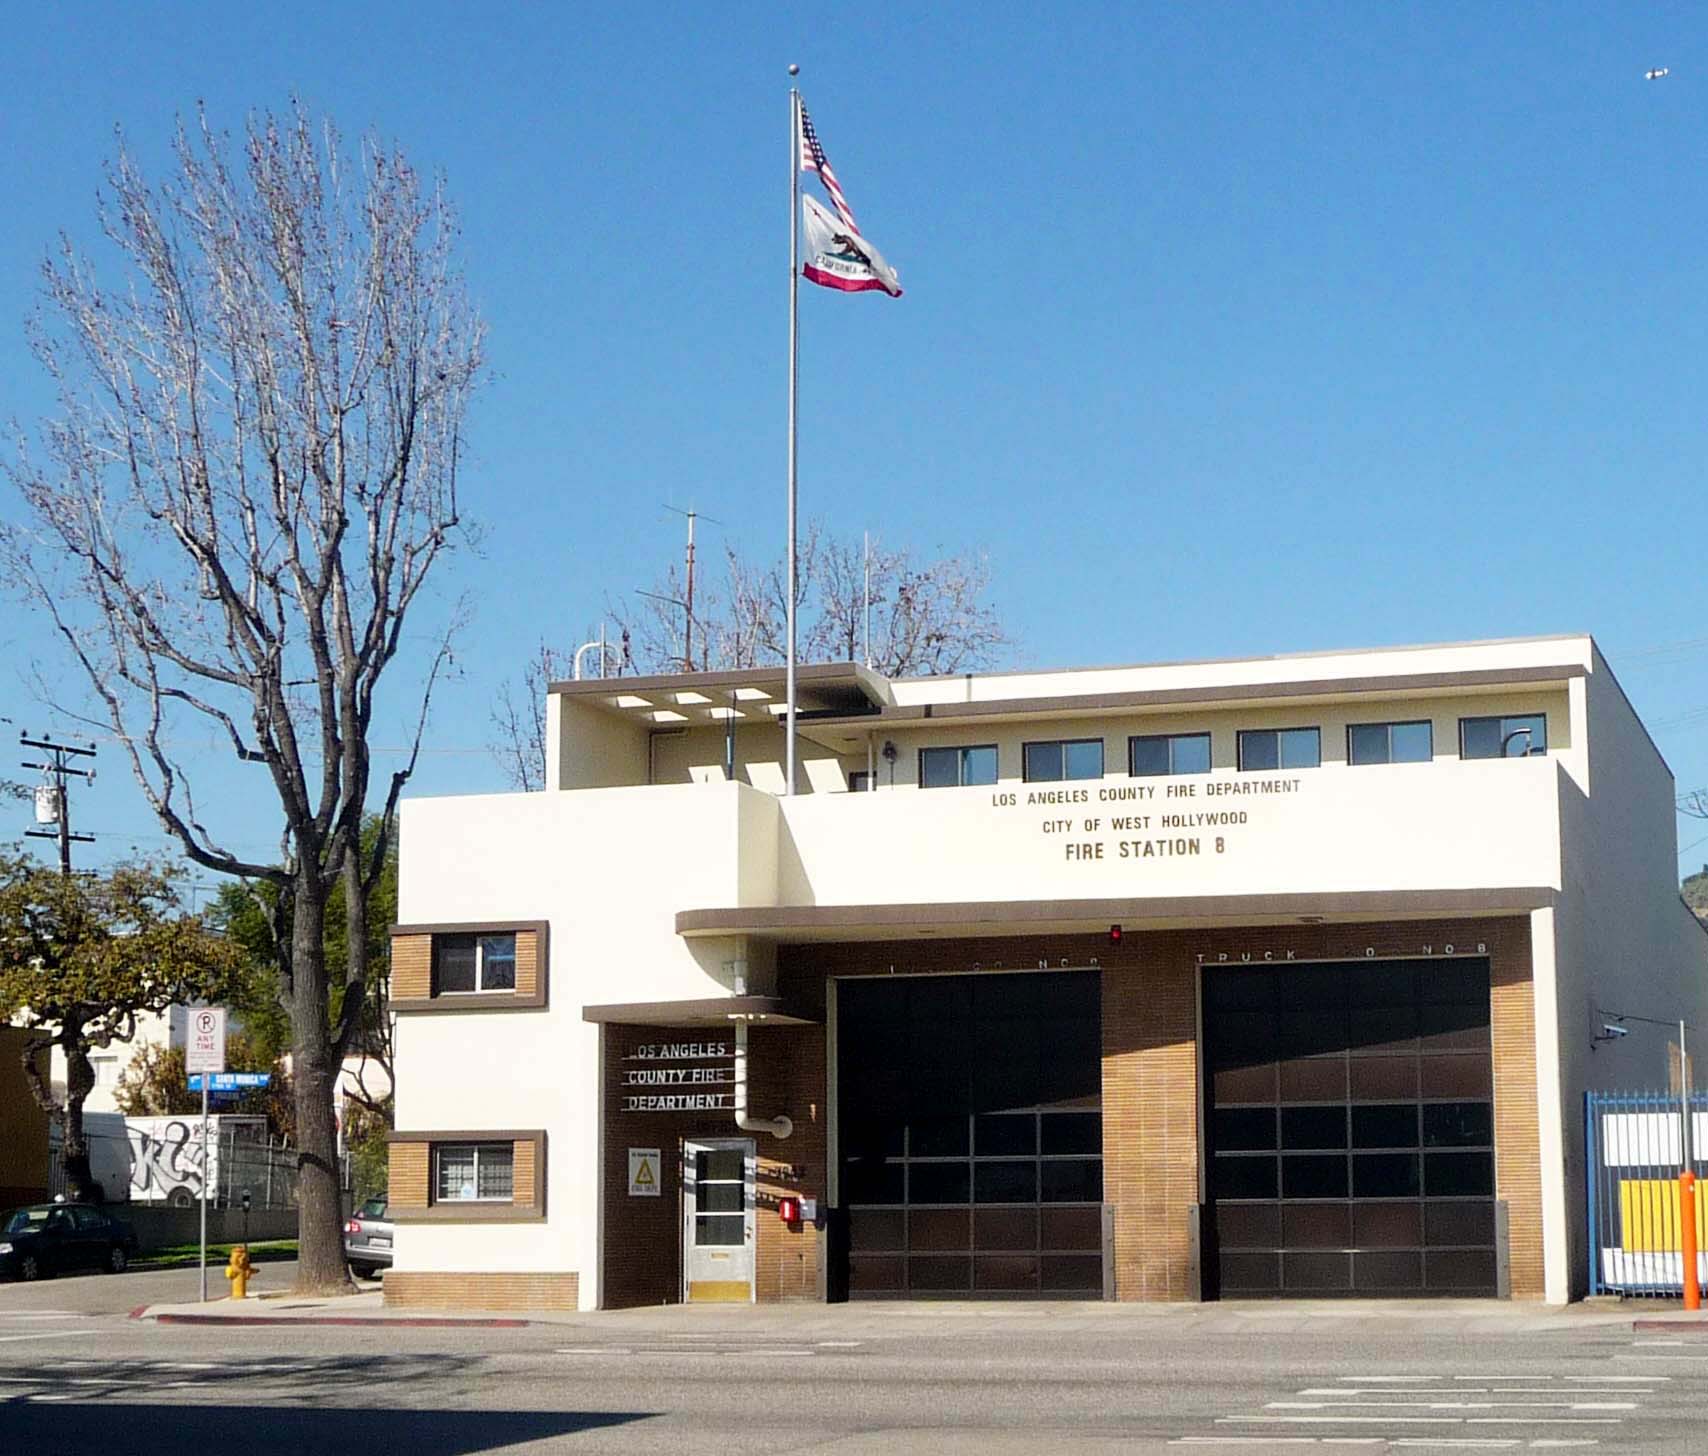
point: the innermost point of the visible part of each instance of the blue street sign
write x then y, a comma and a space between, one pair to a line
232, 1081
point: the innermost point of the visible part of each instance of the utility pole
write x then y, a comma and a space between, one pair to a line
59, 768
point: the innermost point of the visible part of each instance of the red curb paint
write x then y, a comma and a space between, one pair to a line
1697, 1326
139, 1311
408, 1322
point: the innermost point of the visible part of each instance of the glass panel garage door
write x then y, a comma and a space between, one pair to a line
1350, 1132
971, 1135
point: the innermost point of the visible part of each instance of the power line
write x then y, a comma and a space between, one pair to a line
58, 769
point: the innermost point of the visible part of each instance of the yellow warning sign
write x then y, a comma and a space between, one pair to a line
643, 1172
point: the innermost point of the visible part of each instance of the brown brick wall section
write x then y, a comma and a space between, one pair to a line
420, 1289
1151, 1078
411, 967
786, 1071
527, 962
643, 1236
406, 1175
23, 1124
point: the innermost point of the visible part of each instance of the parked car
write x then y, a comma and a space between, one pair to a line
367, 1239
55, 1238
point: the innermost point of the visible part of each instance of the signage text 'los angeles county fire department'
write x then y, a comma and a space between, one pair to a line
682, 1080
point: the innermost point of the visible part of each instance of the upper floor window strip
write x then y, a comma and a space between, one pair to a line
1168, 753
947, 768
1517, 735
1273, 748
1412, 742
1075, 758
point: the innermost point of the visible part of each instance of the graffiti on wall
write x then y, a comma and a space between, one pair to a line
168, 1160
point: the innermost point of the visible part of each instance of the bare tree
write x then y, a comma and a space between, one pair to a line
928, 617
519, 721
252, 472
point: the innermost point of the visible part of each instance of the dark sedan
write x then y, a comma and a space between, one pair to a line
58, 1238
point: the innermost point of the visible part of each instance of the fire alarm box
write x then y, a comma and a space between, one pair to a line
789, 1210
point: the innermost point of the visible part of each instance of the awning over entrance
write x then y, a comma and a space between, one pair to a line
712, 1011
799, 923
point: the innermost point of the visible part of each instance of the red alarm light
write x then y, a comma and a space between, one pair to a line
1114, 935
789, 1210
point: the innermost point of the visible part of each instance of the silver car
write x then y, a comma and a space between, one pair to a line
367, 1239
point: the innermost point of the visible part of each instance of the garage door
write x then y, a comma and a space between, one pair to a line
971, 1135
1350, 1128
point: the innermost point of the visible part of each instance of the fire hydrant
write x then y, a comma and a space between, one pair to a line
239, 1270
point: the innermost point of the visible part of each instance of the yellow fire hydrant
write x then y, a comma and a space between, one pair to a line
239, 1270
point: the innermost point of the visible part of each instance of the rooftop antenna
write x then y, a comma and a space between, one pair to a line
688, 604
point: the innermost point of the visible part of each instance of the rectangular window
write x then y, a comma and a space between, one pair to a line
471, 963
859, 781
1390, 742
1168, 753
473, 1172
1080, 758
1518, 736
948, 768
1270, 748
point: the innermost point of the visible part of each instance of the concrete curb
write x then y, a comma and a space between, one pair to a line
448, 1322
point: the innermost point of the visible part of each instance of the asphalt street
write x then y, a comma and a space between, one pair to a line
845, 1381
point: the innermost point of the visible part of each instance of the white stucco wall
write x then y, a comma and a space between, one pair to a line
1625, 942
1441, 825
608, 869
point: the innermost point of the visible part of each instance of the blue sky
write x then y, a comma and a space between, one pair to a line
1228, 328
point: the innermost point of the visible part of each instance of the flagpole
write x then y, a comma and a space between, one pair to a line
794, 392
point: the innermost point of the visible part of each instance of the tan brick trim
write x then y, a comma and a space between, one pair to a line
406, 1176
412, 968
420, 1289
1150, 1123
412, 1190
1518, 1143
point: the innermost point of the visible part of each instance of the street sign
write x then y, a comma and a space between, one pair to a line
205, 1050
232, 1081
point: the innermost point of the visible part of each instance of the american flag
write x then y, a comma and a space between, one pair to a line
813, 159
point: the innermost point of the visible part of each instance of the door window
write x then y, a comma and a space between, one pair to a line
720, 1197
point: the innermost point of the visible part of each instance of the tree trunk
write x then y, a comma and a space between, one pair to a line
80, 1186
314, 1073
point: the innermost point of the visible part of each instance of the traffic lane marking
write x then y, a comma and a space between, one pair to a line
1423, 1420
1480, 1390
43, 1335
1608, 1405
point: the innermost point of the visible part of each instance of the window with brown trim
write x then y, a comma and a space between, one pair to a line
467, 1177
499, 966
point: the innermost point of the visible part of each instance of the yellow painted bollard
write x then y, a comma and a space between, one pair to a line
239, 1270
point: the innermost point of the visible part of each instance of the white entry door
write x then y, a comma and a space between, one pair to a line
717, 1220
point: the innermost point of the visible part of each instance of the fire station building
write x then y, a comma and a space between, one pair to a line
1263, 978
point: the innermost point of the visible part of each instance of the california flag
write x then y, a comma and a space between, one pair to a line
839, 257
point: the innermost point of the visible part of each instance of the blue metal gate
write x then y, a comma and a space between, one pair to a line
1634, 1154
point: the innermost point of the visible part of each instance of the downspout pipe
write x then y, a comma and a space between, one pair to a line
778, 1127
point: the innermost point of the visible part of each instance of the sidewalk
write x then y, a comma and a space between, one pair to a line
1483, 1318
